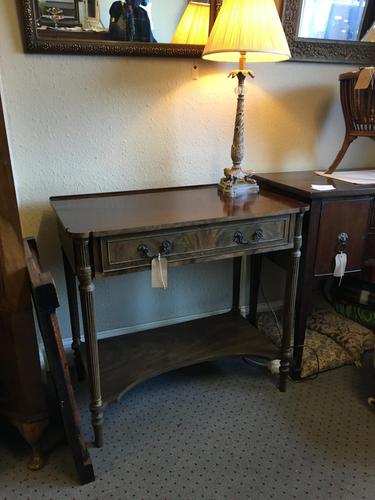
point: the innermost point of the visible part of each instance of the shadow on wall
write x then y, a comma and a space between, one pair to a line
291, 123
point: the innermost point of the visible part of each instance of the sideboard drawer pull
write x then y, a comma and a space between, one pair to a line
342, 241
258, 235
239, 238
164, 249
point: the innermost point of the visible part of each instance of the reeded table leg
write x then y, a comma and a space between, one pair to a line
289, 304
87, 293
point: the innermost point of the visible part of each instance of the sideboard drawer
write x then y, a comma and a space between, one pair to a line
345, 216
131, 252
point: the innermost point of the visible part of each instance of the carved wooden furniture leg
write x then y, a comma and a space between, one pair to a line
74, 316
87, 293
32, 433
255, 270
340, 155
289, 304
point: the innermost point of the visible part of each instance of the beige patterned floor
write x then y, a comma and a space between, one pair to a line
219, 431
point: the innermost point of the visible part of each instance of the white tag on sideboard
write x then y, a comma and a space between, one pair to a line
340, 265
159, 272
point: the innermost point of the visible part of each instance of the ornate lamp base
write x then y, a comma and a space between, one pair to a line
238, 187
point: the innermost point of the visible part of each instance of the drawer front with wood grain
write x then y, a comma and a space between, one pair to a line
135, 252
348, 220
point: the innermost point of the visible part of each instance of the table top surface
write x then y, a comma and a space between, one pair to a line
135, 211
300, 183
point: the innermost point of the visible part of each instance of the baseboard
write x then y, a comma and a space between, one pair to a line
275, 305
145, 326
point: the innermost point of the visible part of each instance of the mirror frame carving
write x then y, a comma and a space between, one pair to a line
327, 51
54, 42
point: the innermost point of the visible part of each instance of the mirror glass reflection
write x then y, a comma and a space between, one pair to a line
153, 21
345, 20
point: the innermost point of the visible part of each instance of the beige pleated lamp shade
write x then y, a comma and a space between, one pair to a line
247, 26
193, 26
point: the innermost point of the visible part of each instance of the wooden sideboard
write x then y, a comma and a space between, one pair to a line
114, 233
349, 210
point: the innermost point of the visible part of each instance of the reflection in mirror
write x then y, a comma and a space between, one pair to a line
346, 20
132, 20
58, 13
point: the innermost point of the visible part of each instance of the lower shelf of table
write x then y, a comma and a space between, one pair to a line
128, 360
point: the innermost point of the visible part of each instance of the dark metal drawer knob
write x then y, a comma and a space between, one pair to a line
258, 235
342, 241
164, 249
239, 238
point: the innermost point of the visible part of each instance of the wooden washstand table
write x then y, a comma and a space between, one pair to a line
118, 233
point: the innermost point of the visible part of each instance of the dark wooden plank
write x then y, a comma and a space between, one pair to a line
128, 360
130, 212
45, 300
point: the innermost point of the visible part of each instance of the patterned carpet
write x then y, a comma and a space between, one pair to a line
219, 431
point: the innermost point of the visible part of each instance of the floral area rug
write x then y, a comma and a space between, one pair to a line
331, 341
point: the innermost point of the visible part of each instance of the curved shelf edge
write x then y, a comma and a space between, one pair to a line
129, 360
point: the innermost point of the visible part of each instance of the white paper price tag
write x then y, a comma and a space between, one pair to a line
340, 265
159, 272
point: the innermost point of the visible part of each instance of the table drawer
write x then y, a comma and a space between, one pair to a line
135, 251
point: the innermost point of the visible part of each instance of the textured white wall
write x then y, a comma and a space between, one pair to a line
80, 124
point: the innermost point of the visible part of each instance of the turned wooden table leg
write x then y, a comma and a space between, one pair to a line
71, 288
289, 304
87, 294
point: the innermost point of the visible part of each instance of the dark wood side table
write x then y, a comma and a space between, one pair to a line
115, 233
343, 218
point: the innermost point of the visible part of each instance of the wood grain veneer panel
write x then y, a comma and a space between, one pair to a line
346, 216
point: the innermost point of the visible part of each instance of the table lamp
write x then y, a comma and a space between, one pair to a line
244, 31
193, 26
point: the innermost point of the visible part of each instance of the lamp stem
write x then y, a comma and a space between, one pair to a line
237, 152
237, 182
